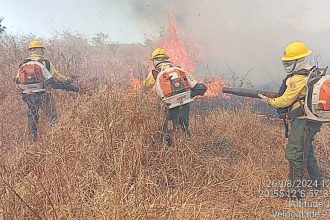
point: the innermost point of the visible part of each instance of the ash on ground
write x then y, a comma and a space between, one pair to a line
221, 147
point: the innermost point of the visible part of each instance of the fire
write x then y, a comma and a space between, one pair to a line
214, 87
184, 55
179, 52
135, 82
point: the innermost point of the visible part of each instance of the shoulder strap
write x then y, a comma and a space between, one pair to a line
47, 64
24, 62
155, 73
284, 86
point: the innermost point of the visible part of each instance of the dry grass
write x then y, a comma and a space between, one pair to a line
104, 160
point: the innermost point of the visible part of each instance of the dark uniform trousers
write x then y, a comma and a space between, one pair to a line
34, 102
177, 116
300, 151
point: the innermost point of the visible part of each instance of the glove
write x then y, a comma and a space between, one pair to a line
69, 80
263, 98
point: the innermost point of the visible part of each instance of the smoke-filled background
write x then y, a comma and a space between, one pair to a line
105, 157
231, 36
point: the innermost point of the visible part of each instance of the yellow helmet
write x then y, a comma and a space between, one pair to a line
36, 44
296, 50
158, 52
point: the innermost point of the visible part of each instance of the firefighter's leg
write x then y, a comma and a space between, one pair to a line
312, 166
295, 155
175, 118
296, 175
33, 104
166, 138
48, 105
170, 125
184, 119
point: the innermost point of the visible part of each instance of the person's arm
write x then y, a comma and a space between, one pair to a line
150, 81
59, 81
60, 77
56, 84
295, 85
191, 79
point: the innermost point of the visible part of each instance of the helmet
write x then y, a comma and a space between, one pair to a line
296, 50
36, 44
159, 53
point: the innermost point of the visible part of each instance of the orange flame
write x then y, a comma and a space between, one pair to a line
135, 82
214, 87
176, 49
185, 56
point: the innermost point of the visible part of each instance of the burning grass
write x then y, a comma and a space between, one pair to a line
104, 160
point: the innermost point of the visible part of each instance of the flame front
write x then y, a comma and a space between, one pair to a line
178, 52
185, 56
214, 87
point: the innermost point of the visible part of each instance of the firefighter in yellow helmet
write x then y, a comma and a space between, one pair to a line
289, 104
35, 75
173, 83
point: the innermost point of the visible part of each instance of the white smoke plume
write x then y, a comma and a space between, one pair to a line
239, 34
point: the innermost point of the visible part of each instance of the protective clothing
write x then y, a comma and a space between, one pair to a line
296, 89
294, 65
152, 75
175, 116
198, 89
295, 57
36, 44
34, 102
34, 77
296, 176
295, 50
159, 53
300, 150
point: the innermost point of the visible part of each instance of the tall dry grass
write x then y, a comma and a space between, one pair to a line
104, 159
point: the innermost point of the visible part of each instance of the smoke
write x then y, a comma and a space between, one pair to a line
239, 34
231, 35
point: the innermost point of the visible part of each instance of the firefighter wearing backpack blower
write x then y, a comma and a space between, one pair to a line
34, 77
177, 89
290, 105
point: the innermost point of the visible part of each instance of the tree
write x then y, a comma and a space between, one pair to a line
2, 28
101, 39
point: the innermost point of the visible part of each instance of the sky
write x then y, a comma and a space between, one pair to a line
239, 34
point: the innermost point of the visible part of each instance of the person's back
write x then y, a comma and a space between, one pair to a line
173, 85
34, 78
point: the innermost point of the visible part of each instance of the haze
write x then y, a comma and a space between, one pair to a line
243, 34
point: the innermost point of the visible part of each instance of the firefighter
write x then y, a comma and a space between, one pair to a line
35, 75
178, 115
299, 149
